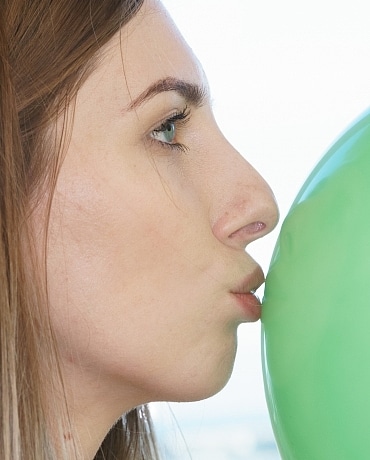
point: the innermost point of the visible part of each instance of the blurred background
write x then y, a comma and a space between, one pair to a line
287, 78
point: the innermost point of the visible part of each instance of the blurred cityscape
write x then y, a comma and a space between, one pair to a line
219, 439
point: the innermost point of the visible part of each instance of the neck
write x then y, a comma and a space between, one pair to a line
93, 407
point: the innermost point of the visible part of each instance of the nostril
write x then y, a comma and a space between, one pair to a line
248, 230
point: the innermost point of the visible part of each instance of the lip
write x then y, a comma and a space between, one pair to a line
245, 294
250, 305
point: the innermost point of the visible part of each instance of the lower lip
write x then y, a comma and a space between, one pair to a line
250, 305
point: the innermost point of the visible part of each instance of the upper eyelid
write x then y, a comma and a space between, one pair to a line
176, 99
176, 116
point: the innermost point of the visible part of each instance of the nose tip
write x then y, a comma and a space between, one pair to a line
249, 218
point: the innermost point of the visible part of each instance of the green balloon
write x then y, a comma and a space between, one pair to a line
316, 311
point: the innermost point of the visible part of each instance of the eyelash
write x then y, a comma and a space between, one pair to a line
179, 119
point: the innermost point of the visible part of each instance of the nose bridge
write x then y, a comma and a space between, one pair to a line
245, 208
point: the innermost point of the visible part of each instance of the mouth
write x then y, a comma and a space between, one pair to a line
246, 297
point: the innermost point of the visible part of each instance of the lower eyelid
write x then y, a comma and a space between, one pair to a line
177, 146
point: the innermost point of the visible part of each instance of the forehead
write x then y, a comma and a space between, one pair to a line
147, 49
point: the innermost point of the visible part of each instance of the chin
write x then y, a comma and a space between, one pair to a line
198, 393
211, 379
203, 384
194, 378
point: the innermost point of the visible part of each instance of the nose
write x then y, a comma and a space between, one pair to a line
244, 207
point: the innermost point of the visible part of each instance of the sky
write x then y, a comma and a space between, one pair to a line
287, 78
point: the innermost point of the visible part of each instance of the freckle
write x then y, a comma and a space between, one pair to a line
68, 436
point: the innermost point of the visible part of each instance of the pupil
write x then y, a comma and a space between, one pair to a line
170, 132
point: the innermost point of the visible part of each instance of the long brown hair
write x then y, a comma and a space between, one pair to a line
47, 49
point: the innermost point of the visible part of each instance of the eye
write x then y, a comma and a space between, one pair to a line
166, 133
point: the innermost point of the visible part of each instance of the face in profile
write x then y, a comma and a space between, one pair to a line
153, 208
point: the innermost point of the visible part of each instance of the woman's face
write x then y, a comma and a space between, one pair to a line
147, 270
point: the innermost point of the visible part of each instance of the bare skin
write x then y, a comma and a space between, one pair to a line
149, 224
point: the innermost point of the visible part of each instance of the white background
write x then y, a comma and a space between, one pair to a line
287, 77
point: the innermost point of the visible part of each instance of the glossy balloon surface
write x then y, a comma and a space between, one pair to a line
316, 311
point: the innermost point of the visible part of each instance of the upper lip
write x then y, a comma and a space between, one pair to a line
251, 283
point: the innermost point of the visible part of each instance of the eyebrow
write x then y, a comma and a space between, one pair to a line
192, 93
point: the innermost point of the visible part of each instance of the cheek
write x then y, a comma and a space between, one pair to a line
98, 243
128, 292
